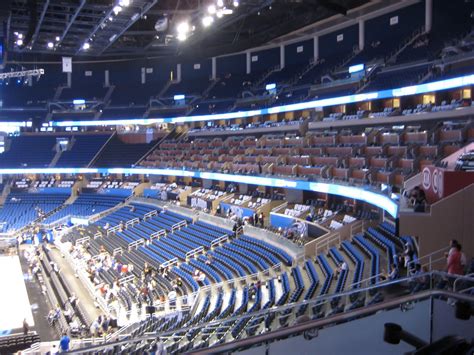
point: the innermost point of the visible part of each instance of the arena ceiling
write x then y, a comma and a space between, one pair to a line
101, 28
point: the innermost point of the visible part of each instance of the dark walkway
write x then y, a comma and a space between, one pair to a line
39, 304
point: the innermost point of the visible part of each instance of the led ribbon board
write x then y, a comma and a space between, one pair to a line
341, 100
358, 193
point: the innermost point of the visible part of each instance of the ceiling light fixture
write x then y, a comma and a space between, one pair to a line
117, 9
212, 9
207, 21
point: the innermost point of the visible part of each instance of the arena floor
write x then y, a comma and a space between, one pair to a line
14, 302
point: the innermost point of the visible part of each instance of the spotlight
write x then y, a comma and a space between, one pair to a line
124, 3
183, 27
50, 45
86, 46
212, 9
20, 35
220, 3
57, 38
117, 9
111, 18
227, 11
181, 37
207, 21
236, 3
19, 42
219, 14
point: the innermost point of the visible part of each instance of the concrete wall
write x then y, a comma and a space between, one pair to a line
294, 196
450, 218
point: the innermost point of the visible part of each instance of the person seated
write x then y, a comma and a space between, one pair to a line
68, 315
342, 267
53, 315
394, 273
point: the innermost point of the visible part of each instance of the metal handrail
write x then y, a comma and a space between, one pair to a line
429, 257
219, 240
281, 332
468, 277
158, 234
195, 252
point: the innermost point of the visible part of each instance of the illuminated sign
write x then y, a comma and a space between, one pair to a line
341, 100
356, 68
359, 193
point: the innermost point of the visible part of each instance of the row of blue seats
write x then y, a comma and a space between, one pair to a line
384, 243
240, 324
314, 279
229, 263
270, 248
343, 274
221, 230
198, 264
218, 267
86, 205
299, 284
373, 253
237, 312
253, 325
252, 256
358, 262
237, 258
328, 274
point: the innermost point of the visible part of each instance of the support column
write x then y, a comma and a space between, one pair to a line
361, 35
428, 15
214, 68
316, 48
282, 56
248, 59
178, 73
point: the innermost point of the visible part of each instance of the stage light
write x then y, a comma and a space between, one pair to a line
219, 14
182, 27
50, 45
20, 35
111, 18
207, 21
181, 37
19, 42
211, 9
57, 38
227, 11
117, 9
86, 46
124, 3
220, 3
236, 3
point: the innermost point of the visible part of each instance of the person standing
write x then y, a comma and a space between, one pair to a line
64, 342
454, 263
26, 327
255, 219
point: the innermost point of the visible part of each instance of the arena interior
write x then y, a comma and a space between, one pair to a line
237, 176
